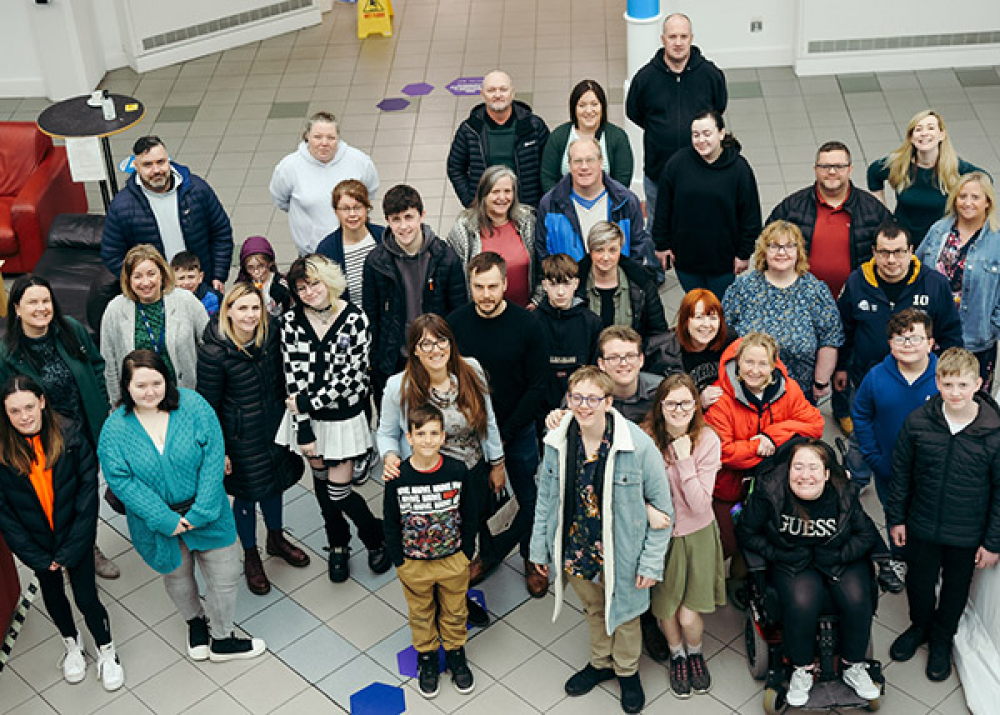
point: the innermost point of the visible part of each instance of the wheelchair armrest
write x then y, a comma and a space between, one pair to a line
754, 561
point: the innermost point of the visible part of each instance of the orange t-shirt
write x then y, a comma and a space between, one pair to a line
41, 479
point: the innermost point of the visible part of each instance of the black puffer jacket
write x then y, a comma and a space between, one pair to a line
74, 510
867, 214
946, 488
385, 304
758, 528
247, 391
468, 155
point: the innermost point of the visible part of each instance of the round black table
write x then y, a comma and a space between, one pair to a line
74, 118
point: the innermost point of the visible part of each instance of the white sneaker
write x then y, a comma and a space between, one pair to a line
860, 681
109, 668
72, 662
799, 687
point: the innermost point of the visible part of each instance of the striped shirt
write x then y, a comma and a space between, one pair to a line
354, 261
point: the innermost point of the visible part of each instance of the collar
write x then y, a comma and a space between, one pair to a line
823, 202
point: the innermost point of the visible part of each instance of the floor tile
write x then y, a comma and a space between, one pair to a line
288, 110
540, 680
218, 703
15, 691
317, 654
361, 671
858, 83
311, 701
281, 624
145, 656
367, 622
175, 689
270, 684
177, 114
745, 90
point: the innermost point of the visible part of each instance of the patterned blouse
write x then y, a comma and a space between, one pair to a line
951, 261
584, 556
802, 317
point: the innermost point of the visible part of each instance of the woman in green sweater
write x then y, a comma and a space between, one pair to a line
588, 113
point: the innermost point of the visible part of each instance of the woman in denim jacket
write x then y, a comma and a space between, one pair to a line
965, 247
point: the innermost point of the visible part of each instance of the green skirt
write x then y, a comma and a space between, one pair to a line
694, 575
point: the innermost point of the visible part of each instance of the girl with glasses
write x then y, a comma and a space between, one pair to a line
356, 236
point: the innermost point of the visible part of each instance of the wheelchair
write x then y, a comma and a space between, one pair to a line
766, 659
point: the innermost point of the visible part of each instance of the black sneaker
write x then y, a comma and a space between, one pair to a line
701, 681
939, 660
906, 644
198, 638
478, 617
888, 578
461, 676
680, 677
338, 566
429, 675
653, 639
632, 696
362, 468
378, 560
234, 648
587, 679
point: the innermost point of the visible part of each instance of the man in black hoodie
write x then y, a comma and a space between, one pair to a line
665, 96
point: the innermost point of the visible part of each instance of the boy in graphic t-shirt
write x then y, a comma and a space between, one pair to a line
430, 531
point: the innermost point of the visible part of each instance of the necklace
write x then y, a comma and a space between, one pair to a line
322, 315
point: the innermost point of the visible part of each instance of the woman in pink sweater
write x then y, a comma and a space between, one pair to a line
693, 577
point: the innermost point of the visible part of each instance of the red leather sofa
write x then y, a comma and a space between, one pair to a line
35, 187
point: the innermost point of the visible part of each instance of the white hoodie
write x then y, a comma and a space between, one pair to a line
303, 186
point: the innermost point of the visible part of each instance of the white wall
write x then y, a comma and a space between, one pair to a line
20, 71
722, 30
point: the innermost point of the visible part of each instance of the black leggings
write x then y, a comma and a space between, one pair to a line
801, 598
83, 581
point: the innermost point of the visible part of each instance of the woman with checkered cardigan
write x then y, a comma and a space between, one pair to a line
325, 351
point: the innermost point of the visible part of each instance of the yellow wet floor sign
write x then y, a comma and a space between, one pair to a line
374, 18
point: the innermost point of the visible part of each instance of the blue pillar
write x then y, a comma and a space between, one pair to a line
643, 9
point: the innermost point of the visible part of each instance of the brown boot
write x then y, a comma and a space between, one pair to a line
254, 570
278, 545
535, 580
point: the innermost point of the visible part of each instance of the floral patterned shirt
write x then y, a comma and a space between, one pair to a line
584, 549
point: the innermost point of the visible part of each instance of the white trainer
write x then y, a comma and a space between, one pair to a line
799, 687
109, 668
860, 681
72, 662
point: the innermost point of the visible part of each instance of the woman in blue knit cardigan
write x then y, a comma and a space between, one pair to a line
163, 455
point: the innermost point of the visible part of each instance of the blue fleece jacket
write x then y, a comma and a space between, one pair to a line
881, 406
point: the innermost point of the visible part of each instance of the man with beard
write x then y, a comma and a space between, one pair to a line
501, 130
166, 205
509, 343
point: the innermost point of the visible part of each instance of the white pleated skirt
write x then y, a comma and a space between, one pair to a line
335, 440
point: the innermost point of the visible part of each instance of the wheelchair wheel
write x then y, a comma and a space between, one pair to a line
757, 650
774, 702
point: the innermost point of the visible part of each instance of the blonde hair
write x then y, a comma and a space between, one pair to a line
241, 290
901, 162
772, 231
590, 373
956, 361
317, 267
604, 232
135, 256
991, 198
757, 339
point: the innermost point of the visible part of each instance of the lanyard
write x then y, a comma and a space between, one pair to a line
156, 342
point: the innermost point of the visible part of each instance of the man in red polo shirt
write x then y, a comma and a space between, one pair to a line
839, 222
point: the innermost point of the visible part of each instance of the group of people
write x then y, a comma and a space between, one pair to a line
529, 352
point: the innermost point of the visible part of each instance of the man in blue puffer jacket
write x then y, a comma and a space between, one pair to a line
165, 205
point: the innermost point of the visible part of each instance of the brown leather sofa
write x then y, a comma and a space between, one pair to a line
35, 187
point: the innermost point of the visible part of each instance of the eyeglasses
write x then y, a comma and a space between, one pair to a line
625, 359
901, 340
357, 209
786, 248
832, 167
592, 401
898, 253
585, 161
427, 345
682, 406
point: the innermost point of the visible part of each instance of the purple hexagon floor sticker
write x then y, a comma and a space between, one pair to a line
393, 104
406, 661
378, 699
418, 89
465, 86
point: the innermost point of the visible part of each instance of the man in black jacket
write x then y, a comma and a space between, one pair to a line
666, 94
411, 272
501, 130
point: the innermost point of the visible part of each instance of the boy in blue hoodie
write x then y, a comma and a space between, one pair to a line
902, 382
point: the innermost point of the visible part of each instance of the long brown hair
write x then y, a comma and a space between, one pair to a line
16, 451
655, 424
416, 387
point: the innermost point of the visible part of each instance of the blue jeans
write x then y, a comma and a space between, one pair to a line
716, 284
521, 462
651, 188
882, 490
245, 514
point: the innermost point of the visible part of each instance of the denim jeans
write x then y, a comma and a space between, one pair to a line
651, 188
245, 514
220, 569
521, 462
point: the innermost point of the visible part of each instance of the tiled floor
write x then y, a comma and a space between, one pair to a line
231, 117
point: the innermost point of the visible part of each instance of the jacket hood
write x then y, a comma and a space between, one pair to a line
389, 239
889, 362
730, 153
731, 384
577, 307
694, 61
870, 272
179, 169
